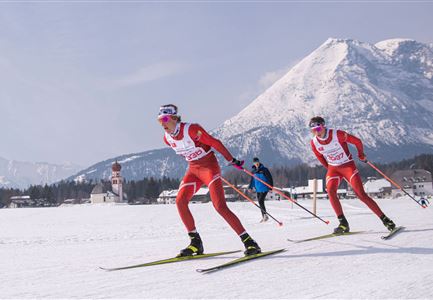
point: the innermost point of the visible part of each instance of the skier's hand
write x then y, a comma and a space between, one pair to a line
362, 157
237, 163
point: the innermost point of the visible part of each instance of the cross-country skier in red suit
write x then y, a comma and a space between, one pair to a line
331, 149
193, 143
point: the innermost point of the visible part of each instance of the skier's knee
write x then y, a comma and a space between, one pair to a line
182, 202
364, 198
220, 207
332, 193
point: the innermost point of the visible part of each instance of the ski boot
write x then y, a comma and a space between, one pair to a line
343, 227
264, 219
251, 247
194, 248
389, 224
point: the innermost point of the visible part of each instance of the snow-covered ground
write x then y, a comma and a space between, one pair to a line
56, 252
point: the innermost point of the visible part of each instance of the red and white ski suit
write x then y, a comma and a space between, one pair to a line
333, 152
194, 144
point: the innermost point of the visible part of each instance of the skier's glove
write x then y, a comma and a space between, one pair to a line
237, 163
362, 157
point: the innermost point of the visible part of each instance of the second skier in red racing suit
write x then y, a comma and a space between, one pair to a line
331, 149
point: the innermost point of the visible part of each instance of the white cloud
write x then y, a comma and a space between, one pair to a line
264, 82
150, 73
269, 78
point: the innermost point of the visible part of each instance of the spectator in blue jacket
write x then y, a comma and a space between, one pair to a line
423, 201
260, 171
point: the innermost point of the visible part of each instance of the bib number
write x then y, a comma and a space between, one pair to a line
194, 155
334, 158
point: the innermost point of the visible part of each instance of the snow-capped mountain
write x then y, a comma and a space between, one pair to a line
382, 93
17, 174
155, 163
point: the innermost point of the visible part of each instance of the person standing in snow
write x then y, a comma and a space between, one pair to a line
331, 149
193, 143
261, 172
424, 202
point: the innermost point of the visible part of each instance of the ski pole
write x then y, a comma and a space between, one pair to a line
249, 199
394, 183
281, 193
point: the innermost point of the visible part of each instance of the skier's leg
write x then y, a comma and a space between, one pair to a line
358, 188
211, 176
333, 181
216, 191
189, 185
187, 188
261, 198
355, 181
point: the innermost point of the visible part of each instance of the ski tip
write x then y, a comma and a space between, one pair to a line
280, 224
327, 222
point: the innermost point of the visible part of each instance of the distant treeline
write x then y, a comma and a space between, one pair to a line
148, 189
299, 175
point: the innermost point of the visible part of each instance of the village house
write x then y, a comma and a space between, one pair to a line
377, 188
417, 182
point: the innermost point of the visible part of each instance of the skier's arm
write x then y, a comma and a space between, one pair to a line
268, 176
251, 186
319, 156
198, 134
351, 139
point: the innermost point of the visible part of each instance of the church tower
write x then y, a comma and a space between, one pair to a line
117, 180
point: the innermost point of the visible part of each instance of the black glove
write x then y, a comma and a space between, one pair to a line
362, 157
237, 163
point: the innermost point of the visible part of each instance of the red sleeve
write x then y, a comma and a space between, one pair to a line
344, 137
165, 141
198, 134
318, 155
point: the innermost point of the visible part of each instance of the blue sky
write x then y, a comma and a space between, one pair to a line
82, 81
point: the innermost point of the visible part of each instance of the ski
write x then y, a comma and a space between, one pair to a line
392, 233
240, 260
170, 260
326, 236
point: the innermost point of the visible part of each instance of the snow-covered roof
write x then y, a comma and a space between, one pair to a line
99, 189
376, 185
20, 198
302, 190
306, 189
168, 193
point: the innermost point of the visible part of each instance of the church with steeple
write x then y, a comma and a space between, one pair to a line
101, 194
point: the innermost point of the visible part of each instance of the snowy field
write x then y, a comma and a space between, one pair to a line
56, 252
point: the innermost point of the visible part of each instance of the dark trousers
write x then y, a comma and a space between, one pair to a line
261, 197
